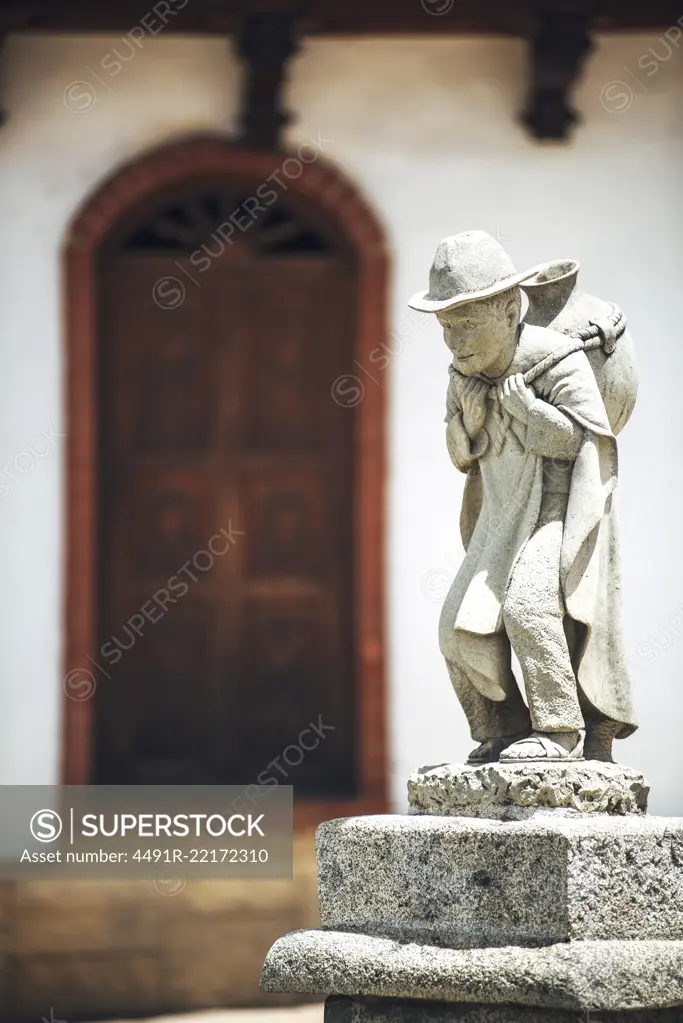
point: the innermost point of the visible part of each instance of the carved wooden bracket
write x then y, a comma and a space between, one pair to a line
558, 49
265, 42
15, 16
3, 39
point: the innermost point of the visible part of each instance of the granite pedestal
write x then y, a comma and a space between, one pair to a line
574, 912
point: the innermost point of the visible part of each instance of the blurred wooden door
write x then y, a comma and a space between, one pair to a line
226, 502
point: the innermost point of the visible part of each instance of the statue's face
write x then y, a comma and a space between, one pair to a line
481, 334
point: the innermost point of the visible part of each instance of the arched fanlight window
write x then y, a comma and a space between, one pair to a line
183, 225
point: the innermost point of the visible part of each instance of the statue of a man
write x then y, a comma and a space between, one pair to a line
541, 569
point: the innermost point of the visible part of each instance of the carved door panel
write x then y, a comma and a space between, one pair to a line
297, 488
226, 498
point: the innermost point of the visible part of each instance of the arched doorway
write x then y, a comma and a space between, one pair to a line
224, 586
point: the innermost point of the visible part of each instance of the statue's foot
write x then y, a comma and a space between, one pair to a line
489, 751
544, 746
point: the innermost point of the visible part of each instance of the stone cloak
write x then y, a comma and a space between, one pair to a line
589, 569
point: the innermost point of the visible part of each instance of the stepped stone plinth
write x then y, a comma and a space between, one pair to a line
573, 912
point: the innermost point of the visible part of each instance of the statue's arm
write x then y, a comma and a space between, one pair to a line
550, 432
462, 450
465, 447
567, 402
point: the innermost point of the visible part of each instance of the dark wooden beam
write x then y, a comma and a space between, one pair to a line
558, 47
326, 17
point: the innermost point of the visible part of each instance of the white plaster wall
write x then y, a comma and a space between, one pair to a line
427, 128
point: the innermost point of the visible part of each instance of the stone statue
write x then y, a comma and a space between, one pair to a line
528, 883
534, 402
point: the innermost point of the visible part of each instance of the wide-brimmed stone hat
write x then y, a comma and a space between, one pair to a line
467, 267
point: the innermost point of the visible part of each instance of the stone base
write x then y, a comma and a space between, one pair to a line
516, 791
446, 915
586, 977
467, 883
390, 1010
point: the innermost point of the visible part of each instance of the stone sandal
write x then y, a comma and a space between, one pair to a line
539, 747
490, 751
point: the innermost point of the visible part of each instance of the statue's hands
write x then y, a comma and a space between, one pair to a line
473, 400
516, 397
452, 398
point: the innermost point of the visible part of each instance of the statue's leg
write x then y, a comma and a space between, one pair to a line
600, 734
480, 670
600, 730
533, 614
489, 719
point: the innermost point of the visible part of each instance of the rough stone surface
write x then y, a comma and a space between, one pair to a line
471, 882
515, 791
390, 1010
584, 976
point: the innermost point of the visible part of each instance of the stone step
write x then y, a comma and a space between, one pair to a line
583, 976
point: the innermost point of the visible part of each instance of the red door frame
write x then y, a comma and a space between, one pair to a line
326, 189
